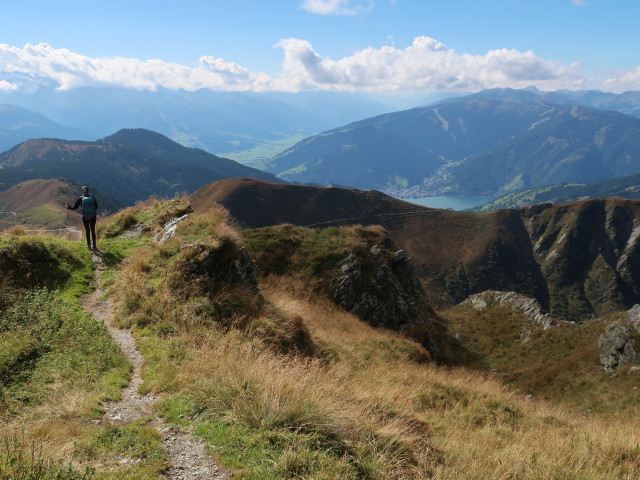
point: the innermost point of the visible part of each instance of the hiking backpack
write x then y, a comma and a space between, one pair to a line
88, 206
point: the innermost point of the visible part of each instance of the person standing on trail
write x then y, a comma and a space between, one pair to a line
89, 212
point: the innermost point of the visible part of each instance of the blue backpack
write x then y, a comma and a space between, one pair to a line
88, 206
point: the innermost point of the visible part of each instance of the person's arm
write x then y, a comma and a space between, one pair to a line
76, 205
96, 202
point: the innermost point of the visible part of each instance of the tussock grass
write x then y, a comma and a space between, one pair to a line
57, 365
359, 403
20, 460
44, 261
311, 254
561, 364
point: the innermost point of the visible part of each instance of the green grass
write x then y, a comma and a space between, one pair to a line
258, 157
560, 364
23, 460
310, 253
123, 452
48, 344
262, 453
57, 364
36, 261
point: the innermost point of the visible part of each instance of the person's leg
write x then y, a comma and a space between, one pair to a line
85, 222
92, 223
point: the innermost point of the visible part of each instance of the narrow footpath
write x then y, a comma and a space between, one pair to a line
186, 453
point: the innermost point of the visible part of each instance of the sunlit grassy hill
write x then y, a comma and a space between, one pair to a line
267, 369
39, 204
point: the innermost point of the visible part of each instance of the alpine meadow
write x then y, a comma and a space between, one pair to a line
216, 262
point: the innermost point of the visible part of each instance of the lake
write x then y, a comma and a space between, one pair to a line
448, 201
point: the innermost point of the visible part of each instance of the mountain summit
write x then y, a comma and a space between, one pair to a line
491, 142
130, 165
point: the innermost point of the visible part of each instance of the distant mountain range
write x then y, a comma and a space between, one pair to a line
218, 122
495, 141
130, 165
18, 124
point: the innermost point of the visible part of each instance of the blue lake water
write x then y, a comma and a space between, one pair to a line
448, 201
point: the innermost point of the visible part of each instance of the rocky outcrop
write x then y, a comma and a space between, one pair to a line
379, 287
578, 260
633, 315
529, 307
617, 345
169, 229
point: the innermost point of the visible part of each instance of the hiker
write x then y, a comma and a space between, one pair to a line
89, 212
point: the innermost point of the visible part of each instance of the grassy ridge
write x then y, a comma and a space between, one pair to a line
283, 384
57, 365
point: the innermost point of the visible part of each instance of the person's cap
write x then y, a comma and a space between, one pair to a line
84, 187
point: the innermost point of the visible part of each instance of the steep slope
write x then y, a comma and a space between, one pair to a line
164, 168
18, 124
627, 102
493, 141
40, 204
577, 260
284, 384
543, 357
573, 144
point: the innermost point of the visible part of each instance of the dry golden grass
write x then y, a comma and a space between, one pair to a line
364, 392
407, 419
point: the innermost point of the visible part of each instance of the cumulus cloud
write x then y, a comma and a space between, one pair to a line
337, 7
424, 65
7, 86
72, 70
623, 80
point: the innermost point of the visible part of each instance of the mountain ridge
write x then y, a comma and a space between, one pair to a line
118, 168
517, 139
577, 259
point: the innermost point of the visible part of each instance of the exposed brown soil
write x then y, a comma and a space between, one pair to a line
185, 452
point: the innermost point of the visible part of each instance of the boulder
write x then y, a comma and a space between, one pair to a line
617, 345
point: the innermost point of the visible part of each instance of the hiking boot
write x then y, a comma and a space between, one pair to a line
88, 247
95, 247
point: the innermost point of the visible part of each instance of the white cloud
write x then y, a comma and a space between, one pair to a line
425, 66
578, 3
7, 86
337, 7
623, 81
71, 70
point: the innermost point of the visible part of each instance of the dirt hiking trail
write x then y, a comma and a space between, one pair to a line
186, 454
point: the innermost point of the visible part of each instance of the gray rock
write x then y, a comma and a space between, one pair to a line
617, 346
634, 315
169, 229
379, 287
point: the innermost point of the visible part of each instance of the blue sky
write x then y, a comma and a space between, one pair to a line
360, 45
